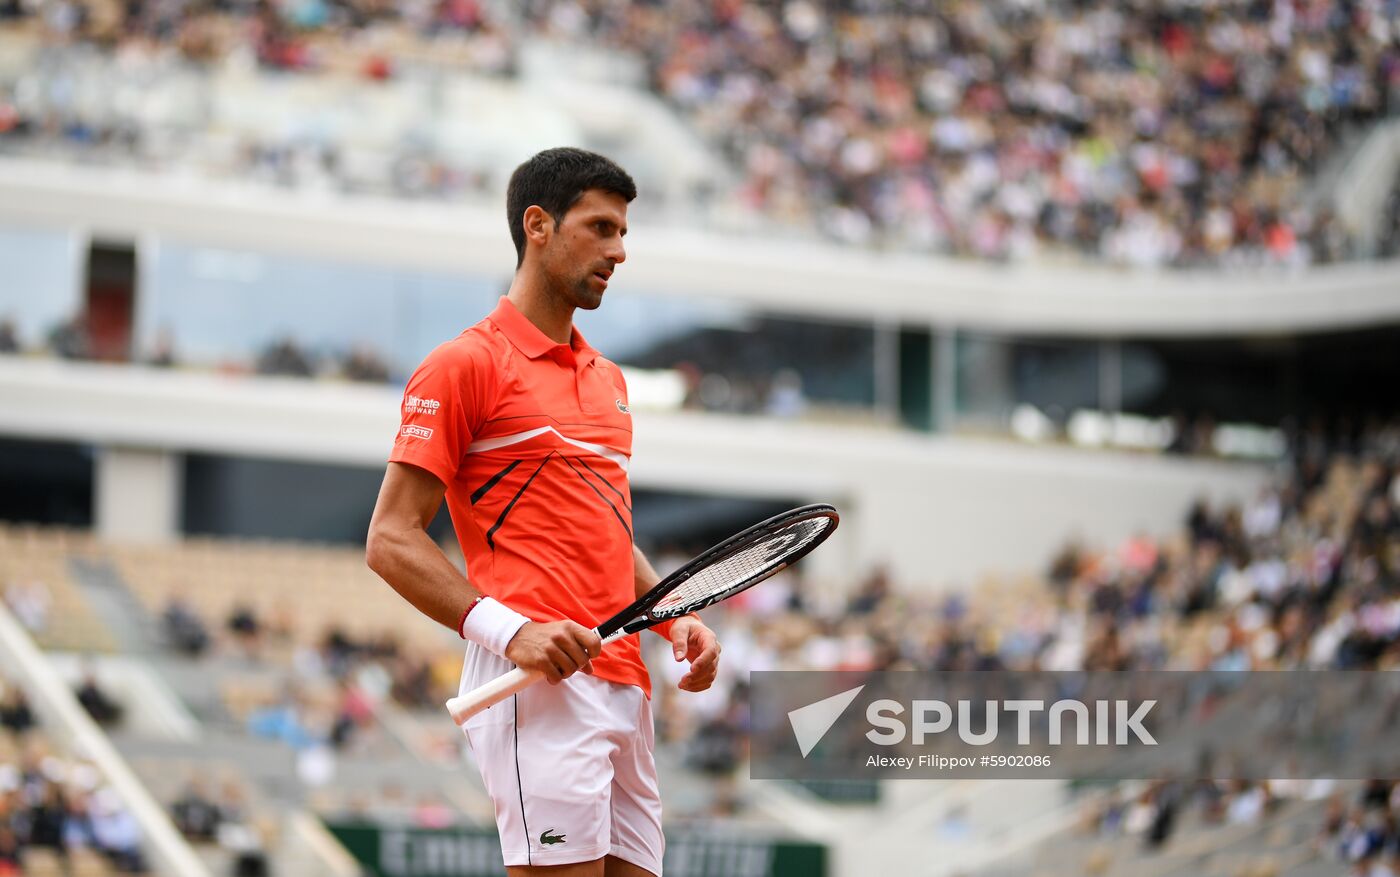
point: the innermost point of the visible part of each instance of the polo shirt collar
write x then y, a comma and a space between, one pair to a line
529, 340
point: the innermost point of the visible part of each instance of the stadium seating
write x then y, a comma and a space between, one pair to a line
1302, 576
35, 566
1168, 137
1202, 136
296, 592
54, 807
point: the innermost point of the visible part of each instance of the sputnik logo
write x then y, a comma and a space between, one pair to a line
810, 723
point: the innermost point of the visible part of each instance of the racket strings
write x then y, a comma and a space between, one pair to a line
747, 565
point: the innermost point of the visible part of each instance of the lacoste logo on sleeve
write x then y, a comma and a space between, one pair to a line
546, 838
622, 406
421, 432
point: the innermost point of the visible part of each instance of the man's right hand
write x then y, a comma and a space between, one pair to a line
556, 648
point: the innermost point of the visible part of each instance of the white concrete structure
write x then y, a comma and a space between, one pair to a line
938, 509
780, 276
137, 494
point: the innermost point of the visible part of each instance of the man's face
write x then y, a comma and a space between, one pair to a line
582, 252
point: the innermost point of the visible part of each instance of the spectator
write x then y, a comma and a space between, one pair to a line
871, 593
365, 365
103, 709
286, 720
9, 336
717, 746
30, 600
116, 832
412, 682
195, 813
183, 629
15, 714
77, 826
431, 812
69, 339
46, 817
284, 357
10, 859
354, 712
338, 651
163, 352
785, 397
243, 624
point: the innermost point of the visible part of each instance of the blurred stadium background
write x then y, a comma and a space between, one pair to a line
1085, 313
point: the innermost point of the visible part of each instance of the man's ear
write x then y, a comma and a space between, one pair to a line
538, 224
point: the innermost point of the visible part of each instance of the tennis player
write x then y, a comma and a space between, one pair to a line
525, 430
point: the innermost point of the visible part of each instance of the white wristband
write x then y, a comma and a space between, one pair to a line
491, 624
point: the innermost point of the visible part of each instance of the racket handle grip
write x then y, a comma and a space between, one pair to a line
467, 705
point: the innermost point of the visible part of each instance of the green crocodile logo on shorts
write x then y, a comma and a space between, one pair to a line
547, 838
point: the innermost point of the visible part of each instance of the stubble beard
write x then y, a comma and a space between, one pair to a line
581, 294
587, 298
576, 291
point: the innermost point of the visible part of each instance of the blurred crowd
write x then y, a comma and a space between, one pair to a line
1360, 827
1366, 833
204, 817
51, 802
1163, 132
323, 699
361, 36
86, 95
284, 355
363, 670
1304, 576
1152, 133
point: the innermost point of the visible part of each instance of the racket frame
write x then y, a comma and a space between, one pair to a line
638, 616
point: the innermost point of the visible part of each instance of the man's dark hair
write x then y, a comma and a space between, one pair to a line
555, 180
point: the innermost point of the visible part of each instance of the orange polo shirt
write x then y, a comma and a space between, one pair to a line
533, 440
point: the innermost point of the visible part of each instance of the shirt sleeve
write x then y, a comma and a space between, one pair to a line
443, 407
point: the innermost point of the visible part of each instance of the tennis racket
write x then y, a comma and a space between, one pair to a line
736, 564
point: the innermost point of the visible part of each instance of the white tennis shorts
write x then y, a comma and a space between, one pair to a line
569, 767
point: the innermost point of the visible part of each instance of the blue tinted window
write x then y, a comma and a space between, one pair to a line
40, 281
226, 306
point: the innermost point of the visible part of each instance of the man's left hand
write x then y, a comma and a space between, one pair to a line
692, 641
